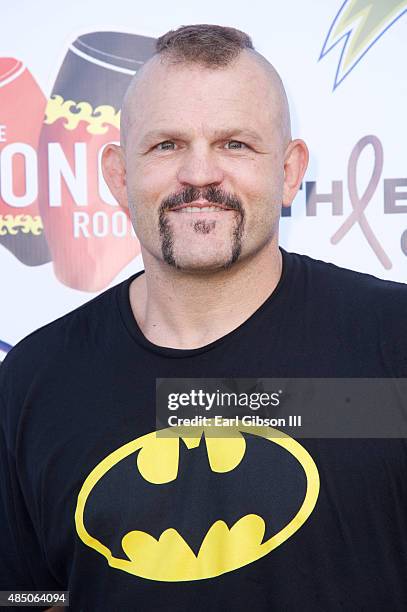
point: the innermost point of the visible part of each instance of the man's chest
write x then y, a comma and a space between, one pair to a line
173, 509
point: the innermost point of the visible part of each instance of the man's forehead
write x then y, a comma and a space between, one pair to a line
226, 89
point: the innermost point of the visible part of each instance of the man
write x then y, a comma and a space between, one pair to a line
94, 501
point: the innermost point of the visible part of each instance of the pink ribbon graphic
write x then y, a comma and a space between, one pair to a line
359, 203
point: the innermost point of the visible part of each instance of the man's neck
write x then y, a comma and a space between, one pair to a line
185, 311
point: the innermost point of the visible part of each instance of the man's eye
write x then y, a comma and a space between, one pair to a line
167, 145
235, 144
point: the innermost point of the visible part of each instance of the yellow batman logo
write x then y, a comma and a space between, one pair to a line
155, 460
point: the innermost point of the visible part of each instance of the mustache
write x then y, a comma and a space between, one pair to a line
212, 194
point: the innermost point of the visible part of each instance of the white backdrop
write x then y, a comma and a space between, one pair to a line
369, 100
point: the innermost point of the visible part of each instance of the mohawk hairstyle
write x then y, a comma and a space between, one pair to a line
205, 44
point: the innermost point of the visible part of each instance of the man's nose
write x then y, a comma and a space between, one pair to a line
200, 167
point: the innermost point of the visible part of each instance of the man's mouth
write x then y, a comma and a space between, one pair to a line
199, 207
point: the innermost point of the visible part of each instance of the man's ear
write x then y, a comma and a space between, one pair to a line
295, 164
114, 172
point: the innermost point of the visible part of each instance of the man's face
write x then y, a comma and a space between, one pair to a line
204, 161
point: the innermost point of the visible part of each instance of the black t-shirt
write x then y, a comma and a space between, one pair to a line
81, 508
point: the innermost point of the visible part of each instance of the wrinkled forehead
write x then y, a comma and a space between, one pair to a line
248, 90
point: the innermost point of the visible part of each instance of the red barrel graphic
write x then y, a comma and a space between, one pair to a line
22, 106
90, 237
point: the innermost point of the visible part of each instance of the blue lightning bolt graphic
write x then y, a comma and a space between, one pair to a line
358, 25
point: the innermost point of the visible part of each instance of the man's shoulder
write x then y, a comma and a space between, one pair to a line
350, 285
69, 332
356, 312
